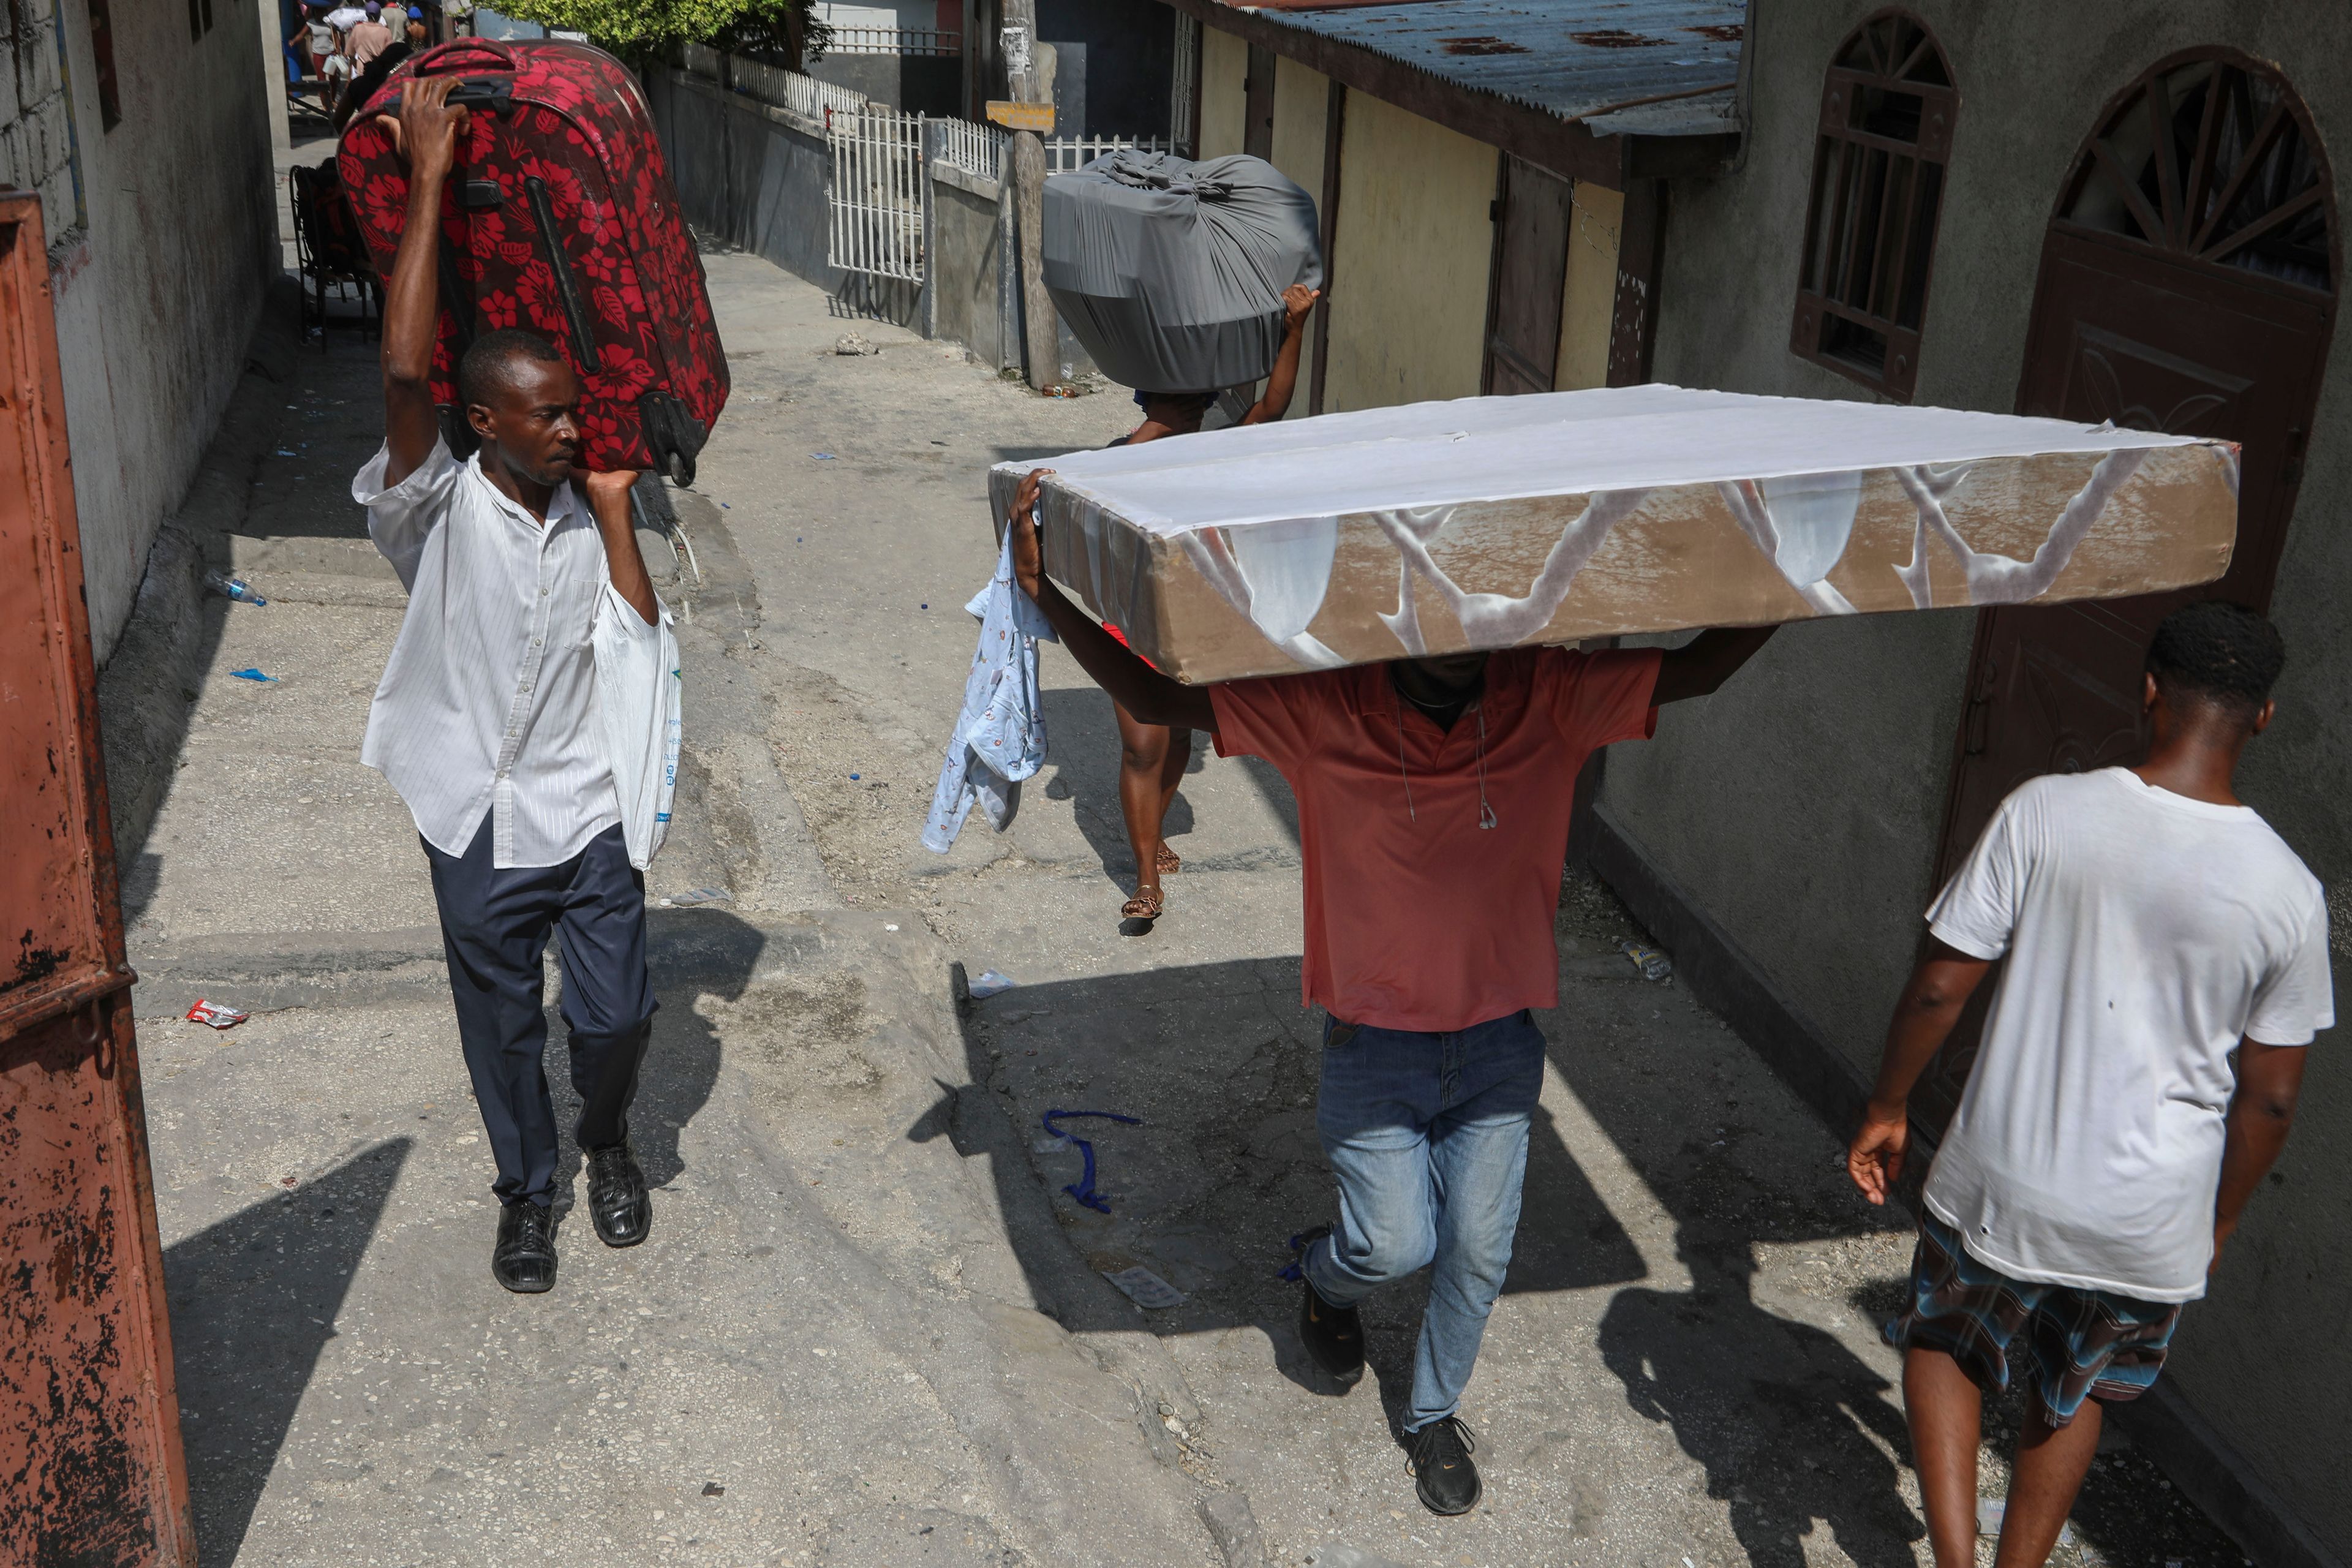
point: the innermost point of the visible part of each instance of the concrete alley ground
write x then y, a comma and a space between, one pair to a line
871, 1326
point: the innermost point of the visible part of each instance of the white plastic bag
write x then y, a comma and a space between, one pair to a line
640, 696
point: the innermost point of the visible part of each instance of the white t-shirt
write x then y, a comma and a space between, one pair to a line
2146, 932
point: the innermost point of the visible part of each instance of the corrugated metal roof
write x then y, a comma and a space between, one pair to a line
1650, 67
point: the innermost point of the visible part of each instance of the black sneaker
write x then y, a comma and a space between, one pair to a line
1334, 1336
1442, 1471
523, 1259
617, 1199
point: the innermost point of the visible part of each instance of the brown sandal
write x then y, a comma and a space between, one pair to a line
1169, 864
1145, 906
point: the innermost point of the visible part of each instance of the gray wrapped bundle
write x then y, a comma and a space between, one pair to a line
1172, 272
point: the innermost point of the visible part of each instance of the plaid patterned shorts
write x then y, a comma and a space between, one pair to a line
2080, 1344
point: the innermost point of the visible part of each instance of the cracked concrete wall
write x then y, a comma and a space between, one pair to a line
1803, 808
159, 269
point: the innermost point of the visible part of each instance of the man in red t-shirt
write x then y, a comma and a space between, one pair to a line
1434, 800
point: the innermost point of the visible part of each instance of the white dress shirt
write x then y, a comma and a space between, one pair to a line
488, 704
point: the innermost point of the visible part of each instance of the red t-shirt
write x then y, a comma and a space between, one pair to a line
1420, 918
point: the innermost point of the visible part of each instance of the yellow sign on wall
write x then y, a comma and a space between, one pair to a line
1037, 117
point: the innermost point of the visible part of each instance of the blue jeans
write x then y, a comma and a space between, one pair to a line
1428, 1136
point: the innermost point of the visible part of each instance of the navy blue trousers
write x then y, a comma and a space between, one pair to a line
494, 928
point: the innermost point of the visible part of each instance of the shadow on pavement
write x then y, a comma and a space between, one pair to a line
1790, 1426
1219, 1061
254, 1301
690, 953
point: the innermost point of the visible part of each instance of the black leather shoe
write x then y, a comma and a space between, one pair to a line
617, 1199
524, 1259
1334, 1335
1442, 1471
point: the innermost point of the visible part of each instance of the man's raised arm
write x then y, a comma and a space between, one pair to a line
1143, 691
427, 134
1703, 664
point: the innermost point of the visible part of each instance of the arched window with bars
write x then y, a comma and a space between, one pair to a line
1887, 111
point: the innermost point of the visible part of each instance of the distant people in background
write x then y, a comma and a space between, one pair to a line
336, 70
313, 40
419, 35
1152, 757
370, 38
460, 16
365, 85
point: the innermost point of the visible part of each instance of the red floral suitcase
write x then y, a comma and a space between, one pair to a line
560, 219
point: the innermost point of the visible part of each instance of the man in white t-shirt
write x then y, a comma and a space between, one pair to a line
2107, 1143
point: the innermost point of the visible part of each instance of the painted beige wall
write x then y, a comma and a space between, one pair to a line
1409, 295
1589, 293
1224, 73
1302, 99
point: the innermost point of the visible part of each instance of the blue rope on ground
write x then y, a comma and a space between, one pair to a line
1083, 1189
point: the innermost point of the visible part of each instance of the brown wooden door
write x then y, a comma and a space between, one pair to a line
1258, 103
2160, 326
1533, 210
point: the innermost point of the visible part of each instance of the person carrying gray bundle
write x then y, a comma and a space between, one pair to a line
1181, 280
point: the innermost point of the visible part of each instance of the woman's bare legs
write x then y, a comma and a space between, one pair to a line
1151, 763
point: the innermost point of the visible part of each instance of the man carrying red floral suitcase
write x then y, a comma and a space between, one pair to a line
486, 722
1433, 803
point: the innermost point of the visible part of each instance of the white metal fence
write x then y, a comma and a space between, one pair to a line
894, 41
801, 95
877, 194
787, 89
977, 150
1063, 154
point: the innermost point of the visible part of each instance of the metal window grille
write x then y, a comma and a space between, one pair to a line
894, 41
977, 150
877, 194
1888, 109
1184, 84
1063, 154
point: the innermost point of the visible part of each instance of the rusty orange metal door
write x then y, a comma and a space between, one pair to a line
91, 1470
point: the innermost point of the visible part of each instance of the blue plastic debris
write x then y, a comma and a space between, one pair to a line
1083, 1189
821, 456
854, 778
988, 983
252, 675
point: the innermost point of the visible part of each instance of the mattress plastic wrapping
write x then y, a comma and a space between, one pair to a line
1170, 272
1492, 522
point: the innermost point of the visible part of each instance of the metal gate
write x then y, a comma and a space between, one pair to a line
89, 1438
877, 194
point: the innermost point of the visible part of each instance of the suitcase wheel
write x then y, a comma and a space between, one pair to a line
673, 435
